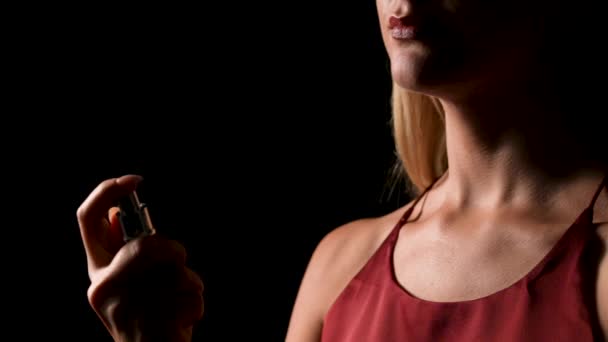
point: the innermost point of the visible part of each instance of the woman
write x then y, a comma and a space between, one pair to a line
504, 245
507, 242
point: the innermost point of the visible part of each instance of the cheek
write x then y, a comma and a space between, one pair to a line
379, 6
383, 5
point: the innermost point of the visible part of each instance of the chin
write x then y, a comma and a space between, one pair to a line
408, 73
418, 73
405, 76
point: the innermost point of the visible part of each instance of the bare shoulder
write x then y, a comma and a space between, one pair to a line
346, 249
336, 260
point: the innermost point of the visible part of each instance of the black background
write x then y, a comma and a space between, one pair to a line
258, 128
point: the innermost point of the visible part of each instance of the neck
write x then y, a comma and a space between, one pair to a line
511, 151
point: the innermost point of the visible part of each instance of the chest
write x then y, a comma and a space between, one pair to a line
460, 264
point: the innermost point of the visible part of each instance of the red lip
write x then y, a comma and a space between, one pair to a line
401, 22
403, 28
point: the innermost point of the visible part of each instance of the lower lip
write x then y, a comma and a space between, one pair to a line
403, 33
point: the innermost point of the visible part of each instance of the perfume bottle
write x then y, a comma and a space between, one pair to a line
134, 218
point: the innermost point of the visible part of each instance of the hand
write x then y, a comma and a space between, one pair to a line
141, 290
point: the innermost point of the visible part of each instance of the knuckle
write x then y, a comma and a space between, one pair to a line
92, 296
136, 248
81, 212
108, 302
178, 248
153, 252
97, 295
195, 280
148, 248
163, 249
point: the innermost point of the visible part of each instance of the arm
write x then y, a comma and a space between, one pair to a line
335, 261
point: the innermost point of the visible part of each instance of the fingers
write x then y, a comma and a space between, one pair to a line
189, 308
193, 281
138, 264
191, 304
113, 217
93, 211
114, 239
148, 278
145, 280
140, 255
181, 301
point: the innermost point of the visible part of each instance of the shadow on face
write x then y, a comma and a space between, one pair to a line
466, 45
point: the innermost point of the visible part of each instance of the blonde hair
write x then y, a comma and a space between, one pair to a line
419, 133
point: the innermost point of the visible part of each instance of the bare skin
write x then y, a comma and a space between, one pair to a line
169, 304
425, 246
517, 179
517, 175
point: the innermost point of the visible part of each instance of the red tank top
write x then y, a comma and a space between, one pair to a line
553, 302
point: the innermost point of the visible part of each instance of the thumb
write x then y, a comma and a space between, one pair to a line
114, 239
